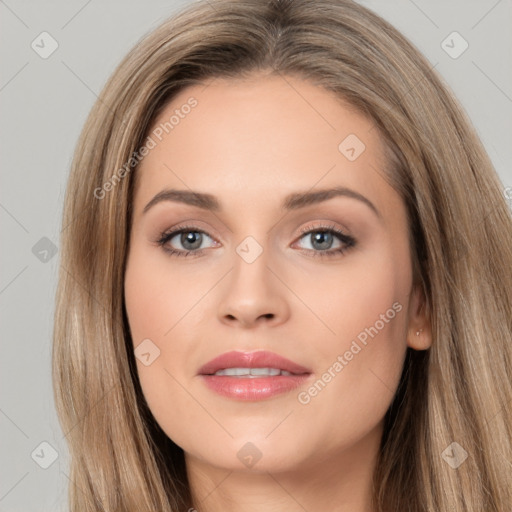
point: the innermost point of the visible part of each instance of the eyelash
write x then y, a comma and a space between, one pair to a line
346, 239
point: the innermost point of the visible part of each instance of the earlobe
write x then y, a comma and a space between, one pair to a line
420, 340
419, 333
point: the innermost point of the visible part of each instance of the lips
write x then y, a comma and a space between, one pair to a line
270, 375
259, 359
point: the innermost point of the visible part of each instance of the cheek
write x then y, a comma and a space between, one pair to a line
156, 305
158, 296
362, 361
350, 298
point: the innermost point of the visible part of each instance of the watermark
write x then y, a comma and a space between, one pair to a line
508, 196
351, 147
249, 249
44, 250
151, 142
249, 454
44, 45
304, 397
454, 45
44, 455
146, 352
454, 455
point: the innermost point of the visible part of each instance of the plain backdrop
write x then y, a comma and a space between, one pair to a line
44, 101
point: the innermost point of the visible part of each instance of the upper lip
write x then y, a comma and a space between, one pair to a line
258, 359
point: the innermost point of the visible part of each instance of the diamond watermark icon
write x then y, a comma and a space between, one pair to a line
249, 249
351, 147
44, 45
44, 250
249, 454
44, 455
454, 455
454, 45
146, 352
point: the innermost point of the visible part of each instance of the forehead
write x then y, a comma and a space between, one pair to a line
258, 138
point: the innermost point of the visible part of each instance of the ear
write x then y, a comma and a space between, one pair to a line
419, 331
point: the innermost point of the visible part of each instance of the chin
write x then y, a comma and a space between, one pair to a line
254, 457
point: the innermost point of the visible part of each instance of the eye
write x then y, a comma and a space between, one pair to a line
189, 237
322, 238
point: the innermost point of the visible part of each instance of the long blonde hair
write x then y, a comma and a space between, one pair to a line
458, 391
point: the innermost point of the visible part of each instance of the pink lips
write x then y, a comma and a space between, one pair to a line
250, 388
259, 359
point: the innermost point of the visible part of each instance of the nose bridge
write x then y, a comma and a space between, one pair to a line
251, 261
252, 290
253, 248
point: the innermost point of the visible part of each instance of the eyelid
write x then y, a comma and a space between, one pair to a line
324, 225
176, 230
345, 238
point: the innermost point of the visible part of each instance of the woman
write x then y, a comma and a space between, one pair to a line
373, 374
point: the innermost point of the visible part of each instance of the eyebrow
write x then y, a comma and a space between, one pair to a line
291, 202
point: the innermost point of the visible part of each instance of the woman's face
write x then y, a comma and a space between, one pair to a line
265, 272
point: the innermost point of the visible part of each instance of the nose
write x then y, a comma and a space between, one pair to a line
253, 294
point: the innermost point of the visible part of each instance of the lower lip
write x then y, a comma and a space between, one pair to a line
257, 388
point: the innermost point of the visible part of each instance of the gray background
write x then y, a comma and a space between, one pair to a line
44, 103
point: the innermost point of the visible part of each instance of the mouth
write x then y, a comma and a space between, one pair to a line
252, 375
260, 363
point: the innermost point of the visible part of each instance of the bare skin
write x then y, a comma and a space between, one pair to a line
250, 143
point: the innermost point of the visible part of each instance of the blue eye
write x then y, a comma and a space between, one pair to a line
191, 239
185, 238
323, 237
